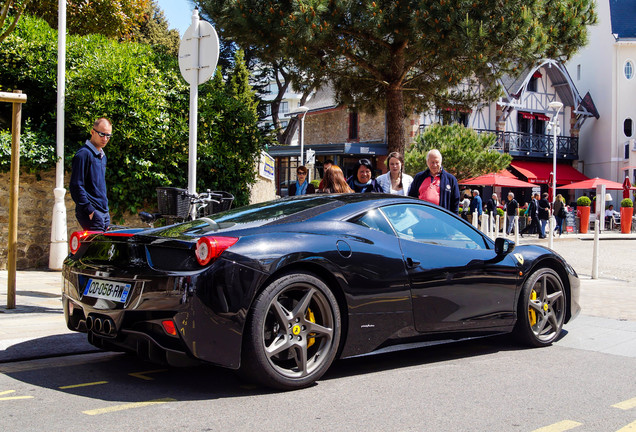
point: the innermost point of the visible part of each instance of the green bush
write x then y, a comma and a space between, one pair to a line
500, 212
144, 95
37, 150
316, 183
583, 201
627, 203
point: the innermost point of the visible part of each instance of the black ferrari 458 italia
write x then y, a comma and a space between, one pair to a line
278, 290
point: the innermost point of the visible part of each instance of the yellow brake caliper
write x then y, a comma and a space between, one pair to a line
310, 317
531, 313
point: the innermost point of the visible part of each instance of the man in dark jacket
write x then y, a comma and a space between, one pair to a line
533, 214
544, 213
88, 179
436, 185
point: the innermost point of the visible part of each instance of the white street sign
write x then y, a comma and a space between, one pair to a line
198, 52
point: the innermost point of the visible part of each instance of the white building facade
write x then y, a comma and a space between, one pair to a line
606, 67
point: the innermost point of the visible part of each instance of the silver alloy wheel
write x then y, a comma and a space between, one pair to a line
298, 330
546, 306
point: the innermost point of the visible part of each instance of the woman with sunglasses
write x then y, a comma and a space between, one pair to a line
302, 186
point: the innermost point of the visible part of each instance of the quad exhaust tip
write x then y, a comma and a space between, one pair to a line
104, 326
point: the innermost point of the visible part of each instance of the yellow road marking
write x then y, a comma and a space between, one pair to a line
142, 375
625, 405
128, 406
82, 385
15, 398
629, 428
559, 427
6, 392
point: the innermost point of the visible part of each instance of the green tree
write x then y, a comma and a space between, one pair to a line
239, 82
465, 153
154, 31
409, 54
111, 18
140, 89
10, 12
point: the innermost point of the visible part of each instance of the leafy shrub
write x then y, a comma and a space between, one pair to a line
500, 211
627, 203
37, 150
142, 92
583, 201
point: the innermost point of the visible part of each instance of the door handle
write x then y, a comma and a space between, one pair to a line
411, 263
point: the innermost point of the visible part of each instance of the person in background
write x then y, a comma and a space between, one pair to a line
476, 205
533, 214
362, 181
611, 214
544, 213
88, 179
560, 212
334, 181
395, 181
302, 186
512, 210
435, 184
491, 207
328, 164
465, 206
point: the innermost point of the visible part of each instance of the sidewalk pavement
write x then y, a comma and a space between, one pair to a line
36, 327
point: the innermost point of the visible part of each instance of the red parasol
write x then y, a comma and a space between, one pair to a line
627, 185
502, 178
592, 183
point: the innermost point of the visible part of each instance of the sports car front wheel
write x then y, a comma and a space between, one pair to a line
542, 308
292, 334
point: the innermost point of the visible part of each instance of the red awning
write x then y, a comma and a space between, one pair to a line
542, 117
526, 115
539, 172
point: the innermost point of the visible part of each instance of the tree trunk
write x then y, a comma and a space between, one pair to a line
395, 120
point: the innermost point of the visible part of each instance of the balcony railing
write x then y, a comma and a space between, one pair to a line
534, 145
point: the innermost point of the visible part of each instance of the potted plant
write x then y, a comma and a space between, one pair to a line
627, 211
583, 212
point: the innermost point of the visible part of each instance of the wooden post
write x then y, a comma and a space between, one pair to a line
17, 98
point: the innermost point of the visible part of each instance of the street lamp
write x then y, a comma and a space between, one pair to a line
301, 110
555, 105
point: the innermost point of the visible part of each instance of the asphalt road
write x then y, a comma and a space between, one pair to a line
483, 385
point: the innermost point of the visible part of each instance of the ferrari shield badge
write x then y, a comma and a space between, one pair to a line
519, 258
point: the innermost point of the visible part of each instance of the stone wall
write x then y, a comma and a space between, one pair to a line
35, 210
333, 126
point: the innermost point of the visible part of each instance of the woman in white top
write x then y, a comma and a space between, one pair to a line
395, 181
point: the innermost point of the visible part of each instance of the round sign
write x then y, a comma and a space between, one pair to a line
198, 53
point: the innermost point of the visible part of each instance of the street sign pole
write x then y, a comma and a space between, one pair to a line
198, 56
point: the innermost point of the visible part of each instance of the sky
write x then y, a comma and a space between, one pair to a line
178, 13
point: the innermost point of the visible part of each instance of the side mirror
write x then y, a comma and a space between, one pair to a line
503, 246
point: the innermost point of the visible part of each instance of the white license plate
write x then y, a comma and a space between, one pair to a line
109, 290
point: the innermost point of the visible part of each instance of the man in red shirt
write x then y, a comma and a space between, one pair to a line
436, 185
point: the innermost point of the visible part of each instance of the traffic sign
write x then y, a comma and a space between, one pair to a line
198, 51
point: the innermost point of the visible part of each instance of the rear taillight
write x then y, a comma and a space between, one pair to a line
76, 239
209, 248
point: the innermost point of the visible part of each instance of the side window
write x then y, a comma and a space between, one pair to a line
425, 224
374, 220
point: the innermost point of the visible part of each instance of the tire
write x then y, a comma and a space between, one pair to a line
542, 308
292, 334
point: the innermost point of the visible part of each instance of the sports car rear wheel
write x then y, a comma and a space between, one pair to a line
292, 334
541, 308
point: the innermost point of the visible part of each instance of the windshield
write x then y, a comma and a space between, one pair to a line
249, 216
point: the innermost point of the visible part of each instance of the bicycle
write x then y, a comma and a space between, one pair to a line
178, 205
